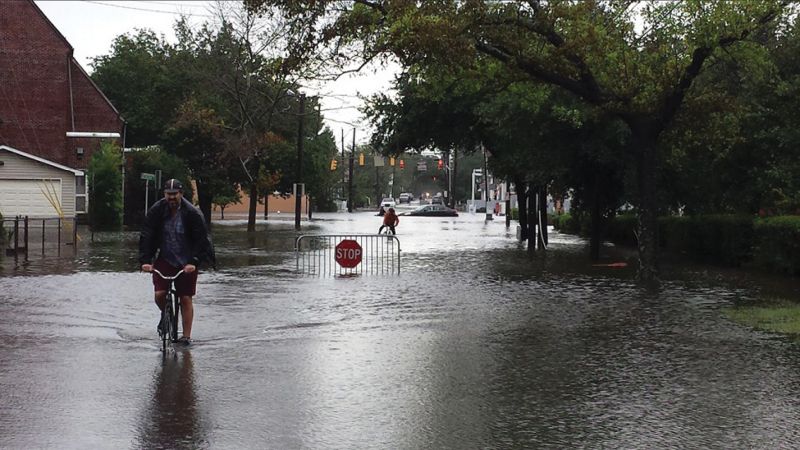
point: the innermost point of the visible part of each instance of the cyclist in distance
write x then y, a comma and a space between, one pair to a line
390, 220
174, 238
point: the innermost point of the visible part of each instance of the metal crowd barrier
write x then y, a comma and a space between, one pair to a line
23, 234
317, 254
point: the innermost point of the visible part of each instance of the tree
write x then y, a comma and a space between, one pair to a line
105, 188
228, 196
635, 60
149, 160
138, 76
255, 85
196, 137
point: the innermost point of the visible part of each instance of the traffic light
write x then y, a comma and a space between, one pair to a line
402, 164
334, 162
391, 161
360, 159
440, 164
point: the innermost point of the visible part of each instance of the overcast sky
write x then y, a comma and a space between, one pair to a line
90, 27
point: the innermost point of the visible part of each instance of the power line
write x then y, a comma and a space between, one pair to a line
182, 5
160, 11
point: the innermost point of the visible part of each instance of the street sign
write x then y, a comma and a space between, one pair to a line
348, 253
148, 176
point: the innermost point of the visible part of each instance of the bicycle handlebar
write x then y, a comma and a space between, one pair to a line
166, 277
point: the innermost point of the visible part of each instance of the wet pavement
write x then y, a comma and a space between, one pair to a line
473, 345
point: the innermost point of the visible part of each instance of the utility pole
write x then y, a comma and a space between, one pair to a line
391, 191
350, 205
344, 174
298, 191
377, 180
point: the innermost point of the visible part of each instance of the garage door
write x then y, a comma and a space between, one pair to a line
25, 197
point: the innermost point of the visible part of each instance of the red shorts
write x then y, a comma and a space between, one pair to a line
186, 284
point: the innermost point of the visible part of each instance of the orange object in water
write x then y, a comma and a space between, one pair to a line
616, 265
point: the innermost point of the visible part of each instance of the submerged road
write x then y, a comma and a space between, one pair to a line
473, 345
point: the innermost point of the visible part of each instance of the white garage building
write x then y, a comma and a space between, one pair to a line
29, 185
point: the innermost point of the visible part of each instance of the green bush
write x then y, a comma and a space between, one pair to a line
567, 223
105, 188
326, 206
733, 240
777, 244
719, 239
622, 229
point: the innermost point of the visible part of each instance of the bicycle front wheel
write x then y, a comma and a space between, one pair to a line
166, 326
176, 310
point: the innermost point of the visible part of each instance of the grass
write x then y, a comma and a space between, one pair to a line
781, 318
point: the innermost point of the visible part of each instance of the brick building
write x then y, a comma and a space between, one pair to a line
48, 107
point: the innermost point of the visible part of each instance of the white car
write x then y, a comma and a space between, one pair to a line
388, 202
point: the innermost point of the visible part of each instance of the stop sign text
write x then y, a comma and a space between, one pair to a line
348, 253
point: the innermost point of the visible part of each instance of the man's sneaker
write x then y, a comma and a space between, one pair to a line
184, 340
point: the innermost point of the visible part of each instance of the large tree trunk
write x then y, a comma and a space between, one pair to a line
532, 212
266, 206
647, 165
522, 206
543, 217
508, 204
453, 172
251, 213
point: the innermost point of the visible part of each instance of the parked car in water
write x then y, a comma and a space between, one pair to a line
388, 202
405, 197
432, 210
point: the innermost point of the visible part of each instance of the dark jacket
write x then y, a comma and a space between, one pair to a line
202, 250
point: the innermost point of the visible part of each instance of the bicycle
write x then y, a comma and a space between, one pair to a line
169, 315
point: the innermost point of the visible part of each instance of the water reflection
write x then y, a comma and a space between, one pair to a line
476, 344
172, 416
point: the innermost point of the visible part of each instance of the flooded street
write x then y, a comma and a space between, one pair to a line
473, 345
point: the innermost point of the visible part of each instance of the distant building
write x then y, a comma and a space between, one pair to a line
52, 116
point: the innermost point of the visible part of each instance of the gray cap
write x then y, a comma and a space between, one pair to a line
172, 186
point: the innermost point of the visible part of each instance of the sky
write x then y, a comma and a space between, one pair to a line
90, 26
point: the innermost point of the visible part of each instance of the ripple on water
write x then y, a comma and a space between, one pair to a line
475, 344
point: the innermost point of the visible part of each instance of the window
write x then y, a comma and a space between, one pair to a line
81, 198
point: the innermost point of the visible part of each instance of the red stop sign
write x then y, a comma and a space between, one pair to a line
348, 253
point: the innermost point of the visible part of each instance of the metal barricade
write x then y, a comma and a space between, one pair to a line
22, 234
333, 254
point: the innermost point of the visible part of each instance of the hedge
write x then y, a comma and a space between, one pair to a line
777, 245
732, 240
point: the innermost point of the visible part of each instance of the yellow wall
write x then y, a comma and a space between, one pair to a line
276, 204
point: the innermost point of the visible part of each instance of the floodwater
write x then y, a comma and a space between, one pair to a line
474, 345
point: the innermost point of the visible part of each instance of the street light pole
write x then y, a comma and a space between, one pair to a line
298, 191
344, 176
350, 205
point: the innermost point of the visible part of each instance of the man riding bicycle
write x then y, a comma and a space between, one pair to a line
390, 220
175, 231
